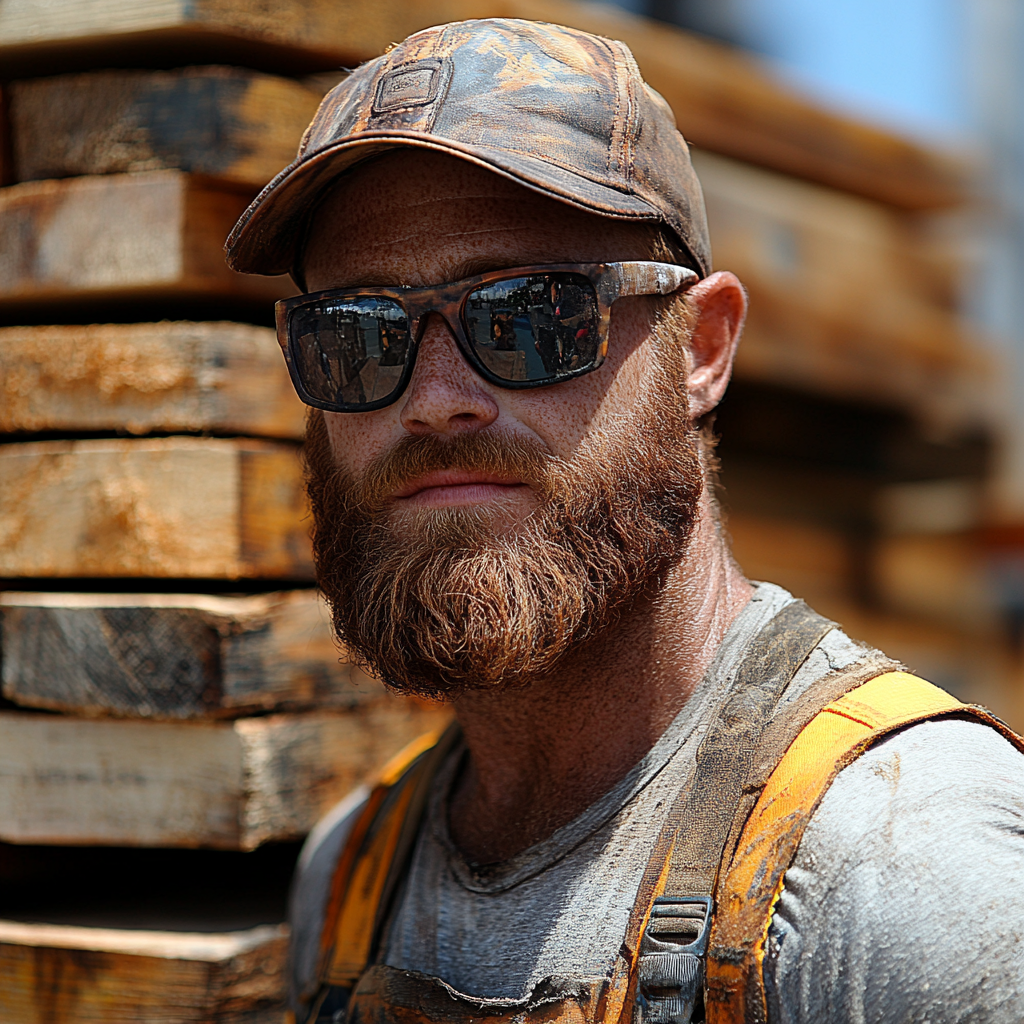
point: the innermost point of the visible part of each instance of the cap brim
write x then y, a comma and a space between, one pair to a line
265, 239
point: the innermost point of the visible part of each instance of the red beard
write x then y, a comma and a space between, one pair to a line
438, 602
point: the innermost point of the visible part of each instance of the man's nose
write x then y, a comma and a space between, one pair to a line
445, 395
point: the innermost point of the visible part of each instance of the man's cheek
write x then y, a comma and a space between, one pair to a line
354, 444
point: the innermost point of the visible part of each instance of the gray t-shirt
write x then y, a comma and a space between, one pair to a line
905, 901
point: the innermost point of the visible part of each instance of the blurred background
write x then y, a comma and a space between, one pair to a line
934, 565
174, 715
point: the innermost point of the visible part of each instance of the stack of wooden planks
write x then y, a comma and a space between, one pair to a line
170, 685
169, 681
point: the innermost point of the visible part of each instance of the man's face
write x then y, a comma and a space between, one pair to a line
470, 535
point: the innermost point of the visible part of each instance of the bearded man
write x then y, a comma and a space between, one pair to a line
672, 794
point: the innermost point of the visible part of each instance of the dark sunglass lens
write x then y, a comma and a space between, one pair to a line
349, 350
539, 327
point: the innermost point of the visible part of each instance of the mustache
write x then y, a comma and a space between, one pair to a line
522, 458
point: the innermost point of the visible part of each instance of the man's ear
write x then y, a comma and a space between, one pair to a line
719, 303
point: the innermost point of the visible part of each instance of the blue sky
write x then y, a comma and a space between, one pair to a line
896, 61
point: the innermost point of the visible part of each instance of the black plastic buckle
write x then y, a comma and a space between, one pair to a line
672, 953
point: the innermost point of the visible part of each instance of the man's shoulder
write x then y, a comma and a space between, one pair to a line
906, 897
311, 888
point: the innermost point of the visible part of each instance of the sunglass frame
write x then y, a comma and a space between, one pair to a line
611, 281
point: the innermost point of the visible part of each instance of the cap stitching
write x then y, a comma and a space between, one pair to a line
622, 88
384, 65
615, 136
632, 129
443, 49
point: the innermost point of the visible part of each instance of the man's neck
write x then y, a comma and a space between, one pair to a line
542, 753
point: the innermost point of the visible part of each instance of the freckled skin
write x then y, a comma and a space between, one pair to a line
539, 755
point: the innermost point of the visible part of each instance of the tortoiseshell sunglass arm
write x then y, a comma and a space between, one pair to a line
643, 277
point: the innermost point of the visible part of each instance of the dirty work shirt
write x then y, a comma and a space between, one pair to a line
905, 902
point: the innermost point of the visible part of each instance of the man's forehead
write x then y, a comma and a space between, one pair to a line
417, 214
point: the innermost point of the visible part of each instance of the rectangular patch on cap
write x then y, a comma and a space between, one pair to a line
409, 85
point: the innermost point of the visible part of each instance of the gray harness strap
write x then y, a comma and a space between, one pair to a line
674, 944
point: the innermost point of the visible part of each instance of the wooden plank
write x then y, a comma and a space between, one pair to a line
112, 976
232, 786
848, 296
813, 561
724, 101
40, 36
174, 656
6, 141
941, 578
238, 126
170, 376
122, 237
181, 507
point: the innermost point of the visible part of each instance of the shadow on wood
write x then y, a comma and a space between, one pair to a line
238, 126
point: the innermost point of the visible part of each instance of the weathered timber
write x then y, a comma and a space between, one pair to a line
286, 35
724, 101
814, 561
229, 786
164, 507
122, 237
54, 973
847, 296
6, 142
174, 656
239, 126
211, 377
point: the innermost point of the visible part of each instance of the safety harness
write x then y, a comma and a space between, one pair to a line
695, 942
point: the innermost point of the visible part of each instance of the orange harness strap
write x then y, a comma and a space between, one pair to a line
358, 888
751, 886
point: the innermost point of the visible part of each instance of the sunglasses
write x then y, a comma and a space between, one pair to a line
353, 349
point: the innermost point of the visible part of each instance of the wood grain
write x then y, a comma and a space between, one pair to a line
238, 126
122, 237
232, 786
52, 973
163, 507
724, 101
174, 656
285, 35
847, 296
170, 376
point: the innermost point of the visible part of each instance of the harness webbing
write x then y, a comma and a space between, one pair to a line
694, 836
726, 845
752, 884
372, 863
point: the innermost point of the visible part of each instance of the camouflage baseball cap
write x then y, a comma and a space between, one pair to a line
563, 112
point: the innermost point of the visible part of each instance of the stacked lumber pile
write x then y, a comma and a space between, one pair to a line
174, 715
